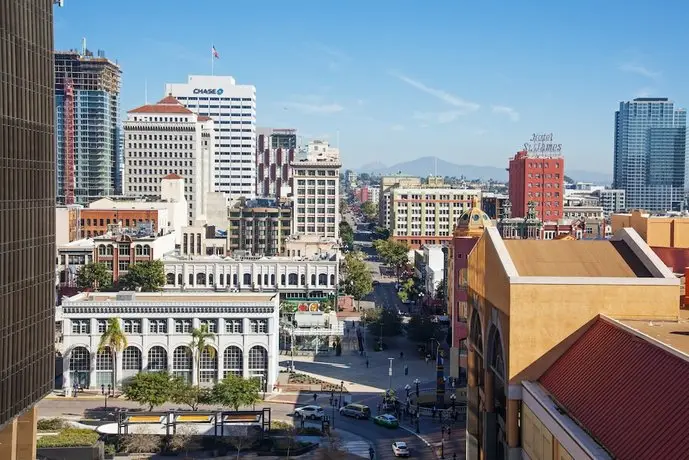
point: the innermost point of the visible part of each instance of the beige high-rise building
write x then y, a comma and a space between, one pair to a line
387, 183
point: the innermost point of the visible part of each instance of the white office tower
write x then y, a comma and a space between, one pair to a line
316, 198
233, 109
167, 140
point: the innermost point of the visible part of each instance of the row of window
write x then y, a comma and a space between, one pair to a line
312, 172
312, 229
124, 250
128, 222
181, 326
260, 280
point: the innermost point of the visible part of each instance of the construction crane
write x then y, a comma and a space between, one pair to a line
68, 117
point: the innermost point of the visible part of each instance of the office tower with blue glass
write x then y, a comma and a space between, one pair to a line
88, 126
650, 153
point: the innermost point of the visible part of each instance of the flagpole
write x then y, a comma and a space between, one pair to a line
212, 62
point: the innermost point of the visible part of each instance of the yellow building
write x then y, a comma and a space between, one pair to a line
529, 301
657, 231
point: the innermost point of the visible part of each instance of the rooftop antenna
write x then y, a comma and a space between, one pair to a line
83, 46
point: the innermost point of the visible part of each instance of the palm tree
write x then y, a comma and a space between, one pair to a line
199, 343
115, 340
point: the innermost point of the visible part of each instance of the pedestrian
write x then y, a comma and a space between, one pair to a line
433, 412
401, 355
449, 430
366, 363
315, 397
454, 456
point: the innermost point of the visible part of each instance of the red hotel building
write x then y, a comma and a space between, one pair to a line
537, 178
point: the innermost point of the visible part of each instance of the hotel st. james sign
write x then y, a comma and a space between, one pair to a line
542, 143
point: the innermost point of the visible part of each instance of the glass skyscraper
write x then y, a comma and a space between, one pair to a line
650, 153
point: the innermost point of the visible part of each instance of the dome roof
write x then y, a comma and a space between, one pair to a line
473, 221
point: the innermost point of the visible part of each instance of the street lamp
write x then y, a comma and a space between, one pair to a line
390, 373
417, 382
407, 388
341, 391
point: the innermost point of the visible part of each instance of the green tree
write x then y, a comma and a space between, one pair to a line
393, 253
383, 321
403, 295
149, 276
182, 392
347, 234
200, 338
440, 290
358, 281
369, 209
114, 340
381, 233
234, 391
421, 329
148, 388
94, 275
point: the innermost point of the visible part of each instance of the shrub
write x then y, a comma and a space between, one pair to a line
309, 431
280, 425
51, 424
69, 437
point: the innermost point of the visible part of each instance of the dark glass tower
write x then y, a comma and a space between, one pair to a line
27, 217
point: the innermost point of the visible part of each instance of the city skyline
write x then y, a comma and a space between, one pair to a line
470, 84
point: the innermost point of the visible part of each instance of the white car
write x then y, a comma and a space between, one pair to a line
312, 412
400, 449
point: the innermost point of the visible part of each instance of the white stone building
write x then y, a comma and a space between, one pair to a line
233, 109
70, 258
612, 200
158, 327
316, 192
168, 140
292, 277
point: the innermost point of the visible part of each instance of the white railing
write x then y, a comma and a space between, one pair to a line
337, 330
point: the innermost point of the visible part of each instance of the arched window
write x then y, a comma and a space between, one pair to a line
201, 279
138, 250
208, 365
79, 366
182, 362
258, 364
210, 279
258, 279
303, 280
247, 279
322, 279
110, 249
476, 334
272, 279
265, 279
233, 361
234, 280
170, 278
102, 249
228, 279
104, 367
157, 359
147, 250
332, 280
191, 279
180, 279
131, 362
313, 279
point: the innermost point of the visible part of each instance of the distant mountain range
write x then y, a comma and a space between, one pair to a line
427, 166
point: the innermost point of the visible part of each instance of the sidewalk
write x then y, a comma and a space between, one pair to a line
443, 445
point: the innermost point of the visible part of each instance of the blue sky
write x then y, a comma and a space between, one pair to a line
400, 79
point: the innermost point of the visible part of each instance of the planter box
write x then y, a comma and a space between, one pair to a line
94, 452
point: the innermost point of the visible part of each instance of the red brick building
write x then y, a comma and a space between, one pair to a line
537, 178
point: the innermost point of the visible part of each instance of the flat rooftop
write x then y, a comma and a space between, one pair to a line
163, 297
578, 258
672, 333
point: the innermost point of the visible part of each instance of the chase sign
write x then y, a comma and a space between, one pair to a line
214, 91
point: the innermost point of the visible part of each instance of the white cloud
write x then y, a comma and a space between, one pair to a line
447, 116
309, 108
336, 58
640, 70
504, 110
451, 99
360, 102
397, 127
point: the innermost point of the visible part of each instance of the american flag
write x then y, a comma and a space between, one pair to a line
215, 52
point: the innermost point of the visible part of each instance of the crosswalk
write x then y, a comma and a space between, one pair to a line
358, 448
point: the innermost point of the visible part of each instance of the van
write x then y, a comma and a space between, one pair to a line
358, 411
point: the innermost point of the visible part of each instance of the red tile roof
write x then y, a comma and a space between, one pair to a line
168, 104
675, 258
172, 176
204, 118
628, 393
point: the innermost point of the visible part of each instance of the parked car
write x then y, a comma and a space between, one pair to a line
386, 420
376, 282
400, 449
358, 411
312, 412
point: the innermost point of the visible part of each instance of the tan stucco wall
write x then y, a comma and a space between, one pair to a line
486, 275
664, 232
543, 316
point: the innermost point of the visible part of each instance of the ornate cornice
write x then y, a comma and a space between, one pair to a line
171, 307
